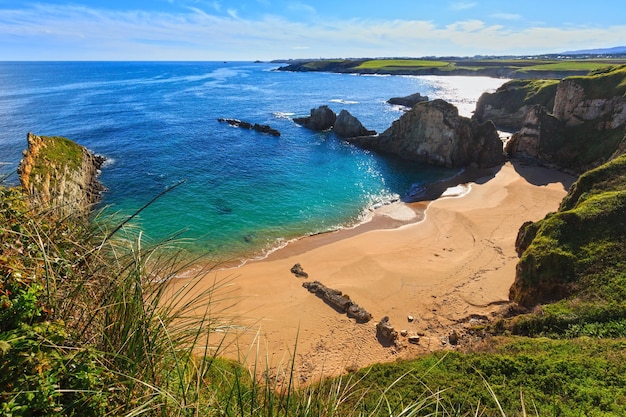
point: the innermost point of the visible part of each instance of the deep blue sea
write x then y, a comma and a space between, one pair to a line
244, 192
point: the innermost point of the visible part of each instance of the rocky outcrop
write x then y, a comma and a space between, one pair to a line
574, 106
321, 118
386, 331
298, 271
538, 130
348, 126
408, 101
434, 133
246, 125
339, 301
578, 252
61, 174
508, 105
587, 126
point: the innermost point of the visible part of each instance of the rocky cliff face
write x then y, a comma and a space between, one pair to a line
434, 133
575, 106
508, 105
587, 126
60, 173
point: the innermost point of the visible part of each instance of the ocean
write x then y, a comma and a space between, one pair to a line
242, 193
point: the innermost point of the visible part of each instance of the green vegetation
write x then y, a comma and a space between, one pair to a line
608, 82
578, 252
514, 94
566, 66
58, 150
496, 67
394, 64
544, 377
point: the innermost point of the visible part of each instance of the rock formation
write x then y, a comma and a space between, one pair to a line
434, 133
408, 101
246, 125
298, 271
60, 174
580, 248
574, 106
385, 330
508, 105
321, 118
348, 126
587, 126
339, 301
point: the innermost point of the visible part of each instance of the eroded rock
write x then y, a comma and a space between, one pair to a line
298, 271
339, 301
433, 132
348, 126
408, 101
385, 330
320, 119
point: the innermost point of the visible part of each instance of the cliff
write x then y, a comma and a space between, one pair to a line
581, 126
434, 133
61, 174
579, 251
508, 105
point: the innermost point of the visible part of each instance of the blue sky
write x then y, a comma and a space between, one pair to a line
277, 29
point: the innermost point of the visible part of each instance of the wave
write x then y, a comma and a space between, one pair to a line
342, 101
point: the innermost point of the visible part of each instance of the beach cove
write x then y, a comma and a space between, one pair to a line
429, 275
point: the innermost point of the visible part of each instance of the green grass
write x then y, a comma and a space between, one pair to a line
546, 377
379, 64
58, 151
566, 66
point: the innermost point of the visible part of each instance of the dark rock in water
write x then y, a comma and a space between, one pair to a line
432, 132
266, 129
246, 125
298, 271
386, 330
348, 126
339, 301
321, 118
408, 101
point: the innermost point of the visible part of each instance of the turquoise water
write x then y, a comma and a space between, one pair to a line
244, 192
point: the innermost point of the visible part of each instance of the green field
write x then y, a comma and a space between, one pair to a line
401, 63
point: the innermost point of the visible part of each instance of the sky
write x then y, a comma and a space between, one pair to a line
245, 30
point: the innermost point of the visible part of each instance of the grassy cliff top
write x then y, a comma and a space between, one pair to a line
604, 83
578, 256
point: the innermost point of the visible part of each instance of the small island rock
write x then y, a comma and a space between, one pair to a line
348, 126
321, 118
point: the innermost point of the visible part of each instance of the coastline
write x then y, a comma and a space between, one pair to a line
452, 266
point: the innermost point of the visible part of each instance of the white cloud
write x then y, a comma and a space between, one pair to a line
466, 26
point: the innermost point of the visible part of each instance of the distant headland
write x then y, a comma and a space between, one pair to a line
552, 66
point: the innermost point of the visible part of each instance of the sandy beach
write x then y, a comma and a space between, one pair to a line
431, 268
